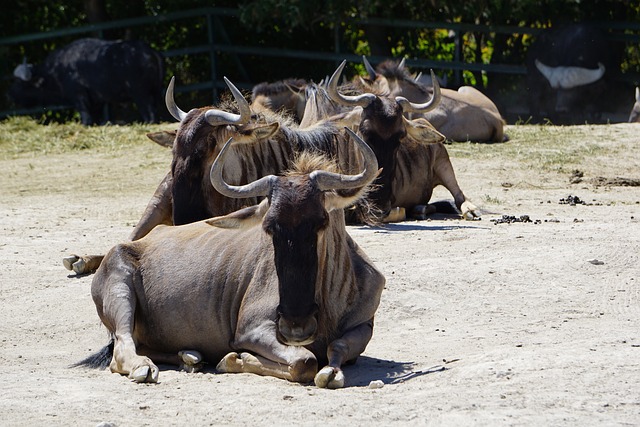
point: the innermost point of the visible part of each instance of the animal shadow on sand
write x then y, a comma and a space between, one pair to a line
361, 373
369, 369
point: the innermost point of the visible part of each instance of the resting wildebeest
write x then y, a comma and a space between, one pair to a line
463, 115
273, 289
570, 73
185, 194
91, 73
634, 117
410, 151
285, 95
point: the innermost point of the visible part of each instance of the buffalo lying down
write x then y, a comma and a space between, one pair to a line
273, 289
90, 73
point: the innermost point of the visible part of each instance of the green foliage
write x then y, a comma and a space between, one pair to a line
314, 26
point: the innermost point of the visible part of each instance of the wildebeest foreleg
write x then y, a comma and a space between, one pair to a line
274, 359
345, 349
158, 210
84, 264
445, 175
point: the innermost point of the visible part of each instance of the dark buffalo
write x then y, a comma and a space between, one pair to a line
570, 73
91, 73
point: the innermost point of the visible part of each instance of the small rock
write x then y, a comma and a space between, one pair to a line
596, 262
376, 384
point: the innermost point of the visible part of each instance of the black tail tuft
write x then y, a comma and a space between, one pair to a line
445, 207
99, 360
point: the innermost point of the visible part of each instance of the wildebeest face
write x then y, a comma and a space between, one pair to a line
383, 128
295, 218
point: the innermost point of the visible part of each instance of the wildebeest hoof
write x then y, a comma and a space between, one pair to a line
145, 374
469, 211
329, 377
69, 261
231, 363
76, 264
191, 361
395, 215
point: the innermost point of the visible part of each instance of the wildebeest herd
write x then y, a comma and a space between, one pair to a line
242, 256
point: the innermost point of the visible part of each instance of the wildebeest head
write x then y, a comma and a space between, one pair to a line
634, 117
383, 126
200, 137
286, 95
294, 214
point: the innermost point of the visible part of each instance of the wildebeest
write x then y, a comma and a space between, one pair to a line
634, 117
185, 194
463, 115
287, 95
91, 73
410, 151
273, 289
570, 71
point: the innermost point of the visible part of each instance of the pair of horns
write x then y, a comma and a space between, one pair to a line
363, 100
325, 180
213, 116
217, 117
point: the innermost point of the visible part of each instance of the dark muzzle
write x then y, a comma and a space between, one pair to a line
297, 330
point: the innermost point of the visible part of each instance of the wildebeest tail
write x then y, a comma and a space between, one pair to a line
99, 360
445, 207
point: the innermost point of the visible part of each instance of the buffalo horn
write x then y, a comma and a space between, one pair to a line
353, 101
218, 117
176, 112
336, 181
570, 77
258, 188
410, 107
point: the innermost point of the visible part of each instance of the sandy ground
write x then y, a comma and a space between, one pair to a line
480, 323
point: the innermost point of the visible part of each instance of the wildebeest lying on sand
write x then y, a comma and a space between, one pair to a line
463, 115
272, 289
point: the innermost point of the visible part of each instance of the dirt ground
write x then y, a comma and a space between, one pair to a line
481, 322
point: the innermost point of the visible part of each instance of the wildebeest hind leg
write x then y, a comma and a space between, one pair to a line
113, 292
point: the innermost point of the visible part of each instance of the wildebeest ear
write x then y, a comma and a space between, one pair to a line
258, 132
164, 138
423, 131
351, 119
243, 218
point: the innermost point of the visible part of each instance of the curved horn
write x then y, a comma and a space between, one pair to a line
570, 77
176, 112
410, 107
353, 101
336, 181
23, 71
218, 117
260, 187
369, 68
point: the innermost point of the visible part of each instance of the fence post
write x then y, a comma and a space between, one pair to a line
212, 57
457, 55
